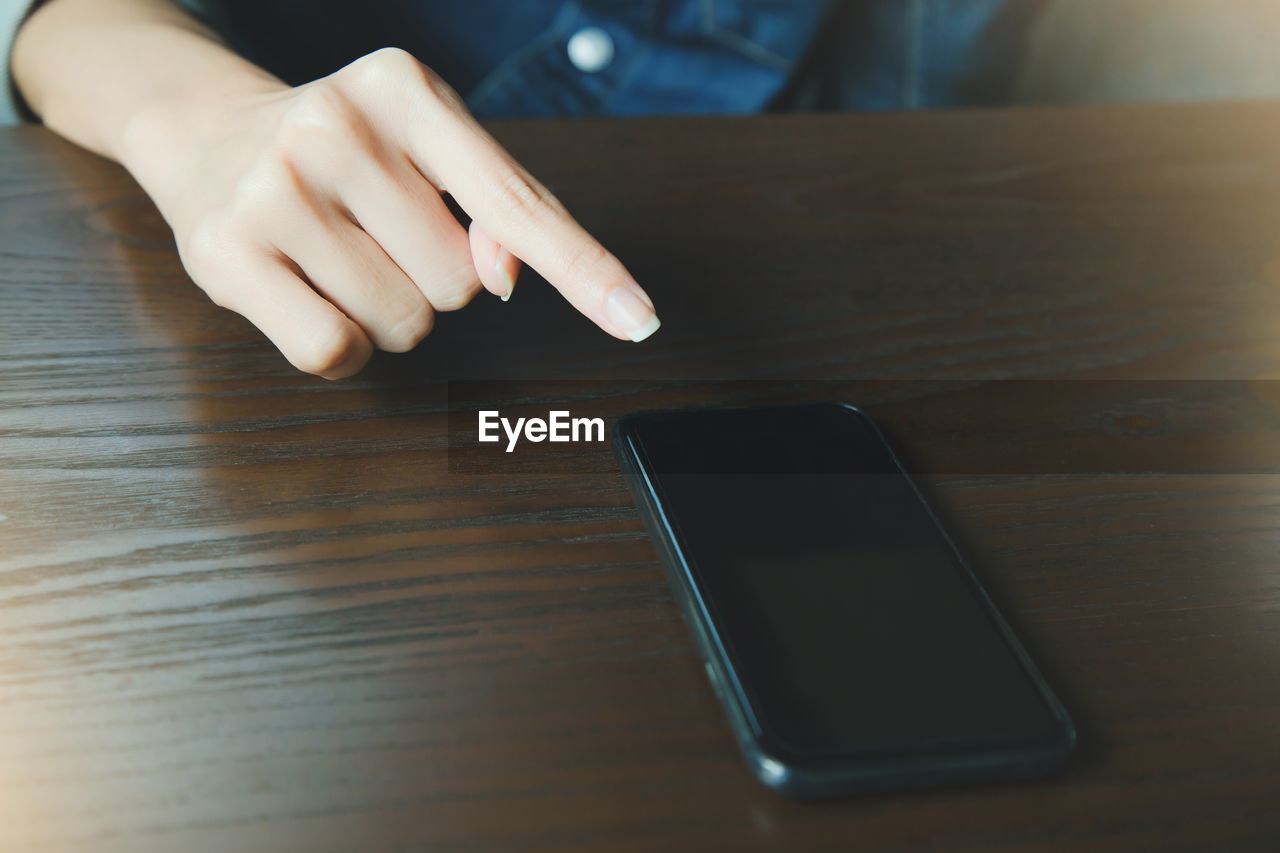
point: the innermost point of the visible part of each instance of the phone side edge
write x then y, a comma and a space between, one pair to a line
769, 770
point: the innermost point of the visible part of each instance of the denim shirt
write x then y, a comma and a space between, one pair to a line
513, 58
527, 58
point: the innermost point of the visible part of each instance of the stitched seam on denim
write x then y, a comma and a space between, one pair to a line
915, 35
740, 43
509, 66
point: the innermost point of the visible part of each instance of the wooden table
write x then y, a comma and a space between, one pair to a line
246, 609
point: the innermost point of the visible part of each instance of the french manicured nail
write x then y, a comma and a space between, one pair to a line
499, 264
631, 314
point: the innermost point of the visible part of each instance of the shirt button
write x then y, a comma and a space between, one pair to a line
590, 49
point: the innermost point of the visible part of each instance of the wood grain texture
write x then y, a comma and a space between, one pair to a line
245, 609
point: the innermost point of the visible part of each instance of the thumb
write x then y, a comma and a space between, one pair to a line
496, 267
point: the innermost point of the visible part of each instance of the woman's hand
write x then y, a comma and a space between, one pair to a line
316, 212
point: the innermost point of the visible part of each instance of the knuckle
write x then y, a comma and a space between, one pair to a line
327, 350
391, 71
521, 197
259, 194
409, 331
457, 296
586, 260
211, 244
321, 120
270, 199
385, 66
212, 254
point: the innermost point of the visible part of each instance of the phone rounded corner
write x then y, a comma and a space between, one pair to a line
771, 772
623, 443
621, 430
1068, 744
1053, 758
855, 410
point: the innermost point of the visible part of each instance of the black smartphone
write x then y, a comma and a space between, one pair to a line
850, 644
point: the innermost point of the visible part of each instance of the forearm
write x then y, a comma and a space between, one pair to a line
90, 68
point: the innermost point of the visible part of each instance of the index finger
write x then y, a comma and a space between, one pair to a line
526, 219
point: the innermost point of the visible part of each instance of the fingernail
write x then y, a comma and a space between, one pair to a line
630, 314
505, 276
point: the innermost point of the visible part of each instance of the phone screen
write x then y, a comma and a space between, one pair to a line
851, 625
